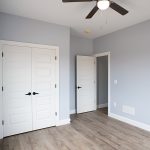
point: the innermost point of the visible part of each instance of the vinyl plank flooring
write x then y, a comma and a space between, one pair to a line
88, 131
1, 144
110, 133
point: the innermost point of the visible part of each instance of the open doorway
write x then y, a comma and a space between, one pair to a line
102, 72
93, 83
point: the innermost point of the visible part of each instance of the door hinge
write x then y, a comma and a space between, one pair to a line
2, 122
2, 54
2, 88
55, 57
55, 86
55, 113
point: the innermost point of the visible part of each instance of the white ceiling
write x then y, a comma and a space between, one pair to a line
73, 14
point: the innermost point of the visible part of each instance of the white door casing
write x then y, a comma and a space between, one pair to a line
86, 100
17, 82
43, 83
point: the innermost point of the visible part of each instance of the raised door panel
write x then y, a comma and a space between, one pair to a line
17, 83
43, 83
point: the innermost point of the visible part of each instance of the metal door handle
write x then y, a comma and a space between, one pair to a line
79, 87
34, 93
28, 93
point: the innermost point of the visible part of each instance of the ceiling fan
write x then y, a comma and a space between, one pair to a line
102, 5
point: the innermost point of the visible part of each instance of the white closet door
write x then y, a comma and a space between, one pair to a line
17, 83
43, 84
86, 100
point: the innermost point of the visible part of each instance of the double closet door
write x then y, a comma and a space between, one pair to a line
29, 89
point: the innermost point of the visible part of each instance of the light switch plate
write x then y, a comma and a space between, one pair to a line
115, 104
115, 82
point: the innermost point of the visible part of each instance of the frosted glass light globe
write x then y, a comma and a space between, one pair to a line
103, 4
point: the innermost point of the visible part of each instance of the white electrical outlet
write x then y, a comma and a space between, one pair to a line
128, 110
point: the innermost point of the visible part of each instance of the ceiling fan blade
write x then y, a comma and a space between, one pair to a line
118, 8
92, 13
77, 0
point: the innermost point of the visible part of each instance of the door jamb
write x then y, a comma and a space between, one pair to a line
109, 93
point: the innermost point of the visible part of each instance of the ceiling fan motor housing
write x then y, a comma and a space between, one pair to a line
103, 4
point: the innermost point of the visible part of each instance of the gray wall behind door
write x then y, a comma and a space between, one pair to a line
102, 80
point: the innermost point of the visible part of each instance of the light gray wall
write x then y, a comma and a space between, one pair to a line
102, 80
27, 30
78, 46
130, 65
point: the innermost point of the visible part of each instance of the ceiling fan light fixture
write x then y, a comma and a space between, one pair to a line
103, 4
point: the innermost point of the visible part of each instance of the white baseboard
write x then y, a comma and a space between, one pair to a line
102, 105
72, 111
130, 121
63, 122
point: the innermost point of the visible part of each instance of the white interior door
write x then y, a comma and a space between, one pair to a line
17, 83
43, 84
86, 95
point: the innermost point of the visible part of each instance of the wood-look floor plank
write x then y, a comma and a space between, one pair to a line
113, 135
1, 144
132, 139
88, 131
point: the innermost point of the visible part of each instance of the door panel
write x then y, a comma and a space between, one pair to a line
17, 83
86, 84
43, 83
